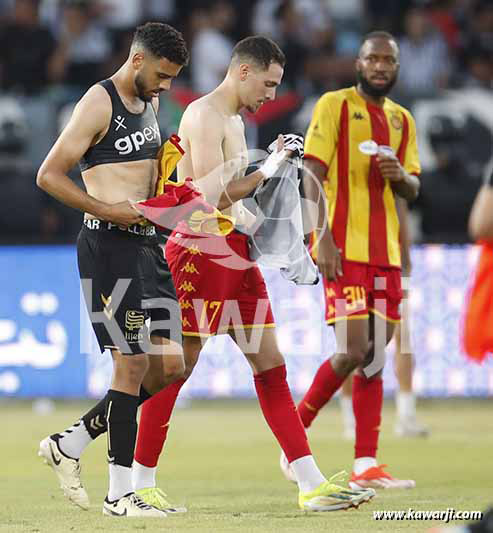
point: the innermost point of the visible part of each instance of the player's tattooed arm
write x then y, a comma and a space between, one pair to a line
88, 123
481, 218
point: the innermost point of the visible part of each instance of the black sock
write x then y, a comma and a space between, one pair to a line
121, 417
95, 419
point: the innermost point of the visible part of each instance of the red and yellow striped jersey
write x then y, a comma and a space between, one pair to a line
362, 212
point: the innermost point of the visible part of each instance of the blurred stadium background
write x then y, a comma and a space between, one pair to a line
51, 51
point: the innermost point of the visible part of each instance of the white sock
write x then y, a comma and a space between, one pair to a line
74, 440
120, 482
348, 420
406, 405
143, 477
307, 473
363, 463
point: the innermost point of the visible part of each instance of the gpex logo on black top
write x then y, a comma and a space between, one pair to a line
134, 141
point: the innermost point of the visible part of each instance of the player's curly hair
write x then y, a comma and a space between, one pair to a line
162, 40
261, 50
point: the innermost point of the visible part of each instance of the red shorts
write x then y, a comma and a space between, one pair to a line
217, 284
363, 289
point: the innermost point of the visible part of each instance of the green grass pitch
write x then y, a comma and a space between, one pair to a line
222, 462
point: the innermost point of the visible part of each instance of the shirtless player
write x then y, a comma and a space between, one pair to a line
232, 298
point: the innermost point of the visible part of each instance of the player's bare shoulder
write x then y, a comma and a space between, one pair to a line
88, 124
202, 114
94, 108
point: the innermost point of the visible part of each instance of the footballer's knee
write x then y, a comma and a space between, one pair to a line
129, 371
163, 371
355, 356
173, 370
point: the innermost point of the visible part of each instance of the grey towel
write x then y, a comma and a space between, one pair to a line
277, 241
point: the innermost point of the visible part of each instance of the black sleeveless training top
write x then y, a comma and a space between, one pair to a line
130, 137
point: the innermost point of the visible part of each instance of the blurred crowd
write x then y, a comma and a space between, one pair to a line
51, 51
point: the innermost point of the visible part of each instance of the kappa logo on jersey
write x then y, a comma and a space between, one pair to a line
185, 304
126, 145
187, 287
194, 249
190, 268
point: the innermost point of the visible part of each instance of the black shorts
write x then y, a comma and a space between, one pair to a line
127, 287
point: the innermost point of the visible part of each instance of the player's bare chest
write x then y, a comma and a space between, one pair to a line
234, 144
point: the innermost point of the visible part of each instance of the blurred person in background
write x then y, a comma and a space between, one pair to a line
17, 174
425, 54
83, 48
454, 180
445, 16
333, 34
478, 27
26, 50
121, 16
162, 10
212, 46
478, 318
386, 13
478, 68
322, 52
313, 15
477, 334
290, 30
5, 6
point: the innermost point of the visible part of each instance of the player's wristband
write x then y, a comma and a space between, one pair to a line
271, 165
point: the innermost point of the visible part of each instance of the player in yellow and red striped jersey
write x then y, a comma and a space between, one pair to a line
361, 147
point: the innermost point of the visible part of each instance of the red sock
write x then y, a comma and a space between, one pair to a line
280, 412
325, 384
367, 406
154, 422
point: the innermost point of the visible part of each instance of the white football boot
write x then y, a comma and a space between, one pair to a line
67, 471
131, 506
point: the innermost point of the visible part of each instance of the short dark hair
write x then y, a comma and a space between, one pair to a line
162, 40
378, 34
261, 50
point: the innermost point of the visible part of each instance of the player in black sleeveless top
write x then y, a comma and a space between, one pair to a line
131, 136
114, 136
